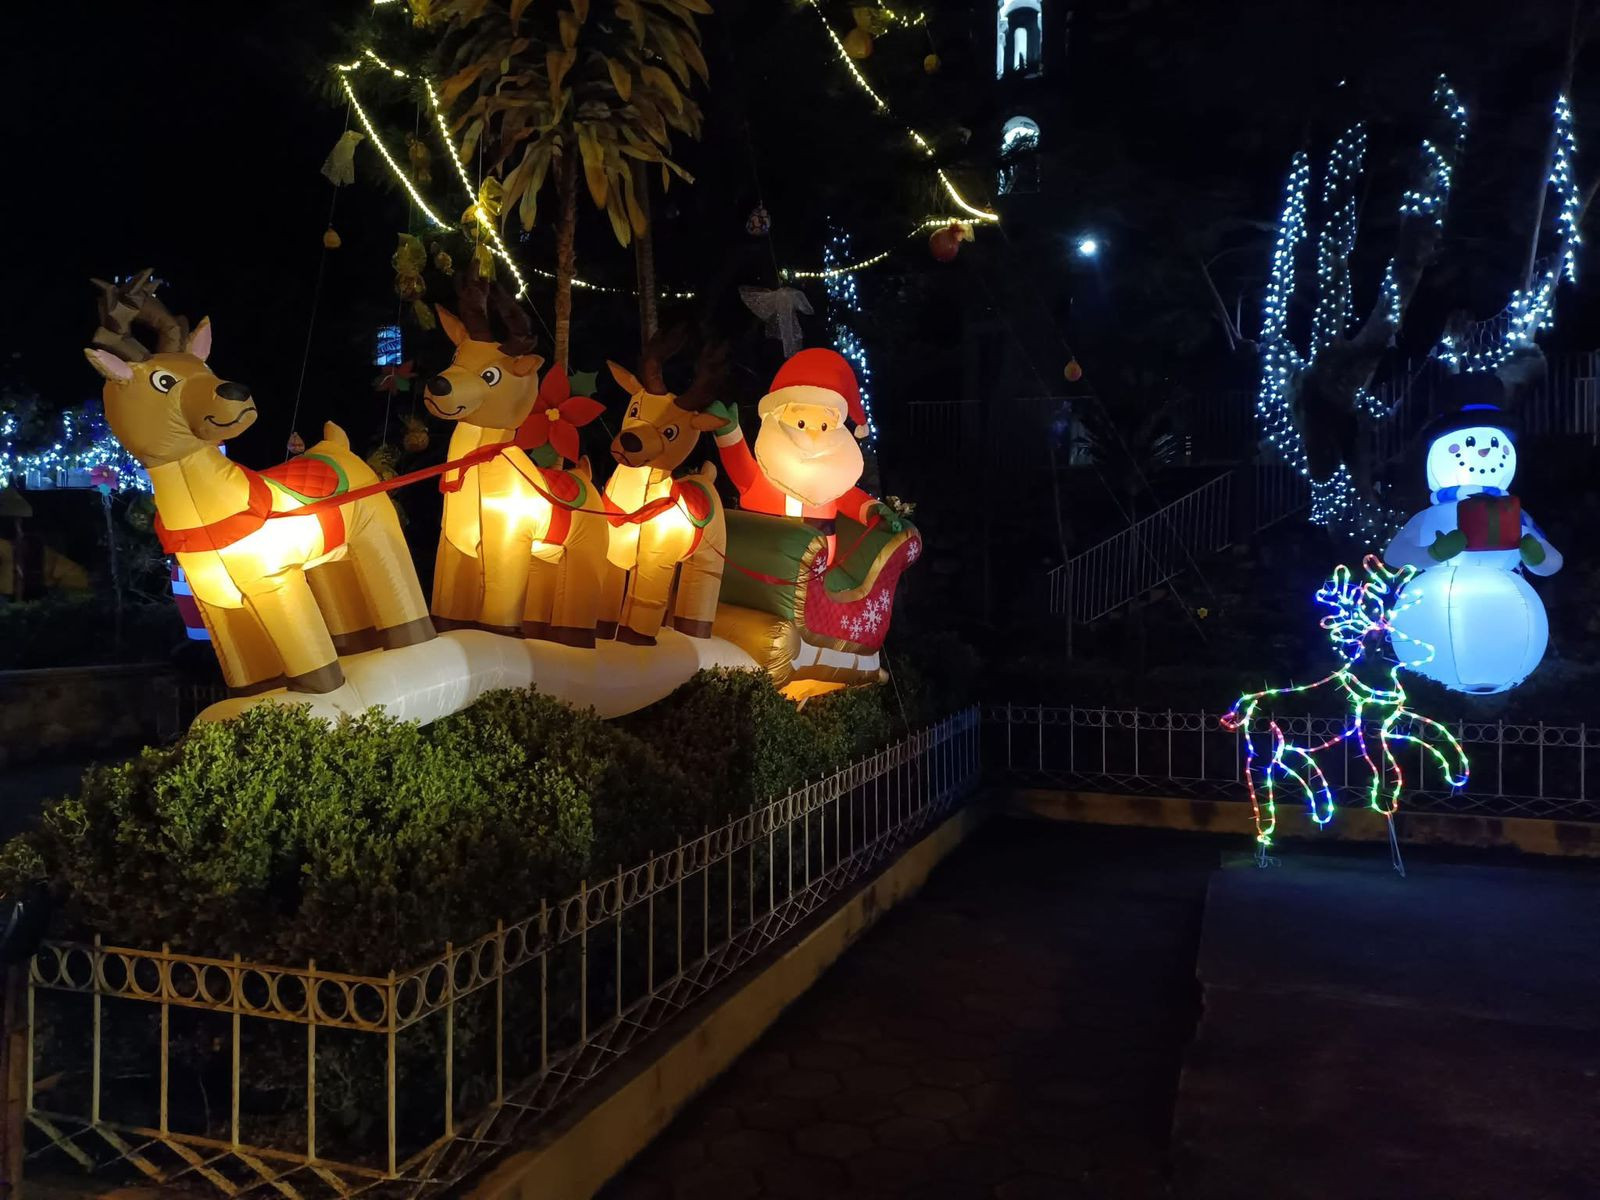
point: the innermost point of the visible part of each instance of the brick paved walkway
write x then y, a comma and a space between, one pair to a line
1016, 1032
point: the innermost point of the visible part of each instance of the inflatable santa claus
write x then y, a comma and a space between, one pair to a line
806, 461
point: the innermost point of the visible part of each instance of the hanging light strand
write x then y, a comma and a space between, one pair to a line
972, 211
497, 244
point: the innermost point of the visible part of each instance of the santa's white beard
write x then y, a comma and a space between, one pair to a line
824, 470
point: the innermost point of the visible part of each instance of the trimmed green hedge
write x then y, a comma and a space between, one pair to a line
370, 843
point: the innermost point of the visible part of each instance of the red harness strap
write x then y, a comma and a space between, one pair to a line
219, 535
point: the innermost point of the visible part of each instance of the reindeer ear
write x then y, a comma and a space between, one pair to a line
109, 365
451, 324
526, 364
624, 378
199, 343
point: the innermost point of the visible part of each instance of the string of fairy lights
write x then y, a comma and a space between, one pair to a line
843, 303
83, 453
1337, 501
967, 211
1531, 310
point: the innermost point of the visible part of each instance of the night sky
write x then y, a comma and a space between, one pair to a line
187, 135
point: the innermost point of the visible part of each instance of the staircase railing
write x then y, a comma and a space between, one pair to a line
1153, 550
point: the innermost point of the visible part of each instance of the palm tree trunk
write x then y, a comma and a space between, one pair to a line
566, 252
644, 257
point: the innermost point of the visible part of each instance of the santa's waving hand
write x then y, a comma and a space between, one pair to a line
806, 461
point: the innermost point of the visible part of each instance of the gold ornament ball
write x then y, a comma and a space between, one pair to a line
931, 64
1073, 372
331, 239
416, 441
858, 44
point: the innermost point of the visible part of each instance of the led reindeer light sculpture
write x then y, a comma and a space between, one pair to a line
687, 526
249, 572
1377, 722
523, 545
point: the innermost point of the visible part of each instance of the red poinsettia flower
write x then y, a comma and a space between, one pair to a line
557, 416
394, 379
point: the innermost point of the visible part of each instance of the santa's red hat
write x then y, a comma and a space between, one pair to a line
818, 376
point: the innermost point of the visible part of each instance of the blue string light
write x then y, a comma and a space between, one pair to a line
844, 300
84, 444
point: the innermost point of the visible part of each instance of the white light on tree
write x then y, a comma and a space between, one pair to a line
83, 445
843, 302
1531, 310
1336, 500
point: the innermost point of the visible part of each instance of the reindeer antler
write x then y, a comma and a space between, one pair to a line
657, 351
710, 373
472, 303
122, 307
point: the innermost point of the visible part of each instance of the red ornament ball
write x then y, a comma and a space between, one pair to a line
1073, 372
945, 243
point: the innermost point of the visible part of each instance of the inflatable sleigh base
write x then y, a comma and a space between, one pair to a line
812, 631
436, 678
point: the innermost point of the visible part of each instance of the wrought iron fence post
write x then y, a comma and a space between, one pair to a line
311, 1062
18, 1050
162, 982
617, 1011
583, 962
94, 1068
544, 987
389, 1070
449, 1039
238, 1048
500, 1012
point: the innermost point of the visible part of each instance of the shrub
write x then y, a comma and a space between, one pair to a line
367, 844
275, 835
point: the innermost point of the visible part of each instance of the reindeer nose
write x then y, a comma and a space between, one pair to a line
630, 443
439, 386
237, 392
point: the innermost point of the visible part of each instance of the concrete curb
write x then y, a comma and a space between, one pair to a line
575, 1158
1530, 835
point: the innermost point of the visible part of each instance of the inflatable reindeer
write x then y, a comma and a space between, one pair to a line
271, 589
523, 546
685, 526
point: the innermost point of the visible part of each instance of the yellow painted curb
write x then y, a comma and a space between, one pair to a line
576, 1157
1528, 834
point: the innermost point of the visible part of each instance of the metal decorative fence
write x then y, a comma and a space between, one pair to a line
1518, 770
298, 1081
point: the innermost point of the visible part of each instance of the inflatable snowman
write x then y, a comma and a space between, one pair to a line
1469, 620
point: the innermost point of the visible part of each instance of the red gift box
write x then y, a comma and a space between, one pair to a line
1490, 522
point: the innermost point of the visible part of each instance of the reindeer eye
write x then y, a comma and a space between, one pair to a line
163, 381
634, 411
490, 375
670, 433
824, 427
802, 424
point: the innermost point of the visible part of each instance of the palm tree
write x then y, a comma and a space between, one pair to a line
553, 93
